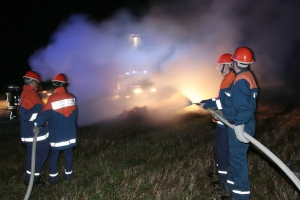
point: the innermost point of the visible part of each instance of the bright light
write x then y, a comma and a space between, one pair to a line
153, 90
48, 94
195, 96
135, 39
137, 90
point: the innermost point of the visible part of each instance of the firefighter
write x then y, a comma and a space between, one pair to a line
30, 106
61, 113
224, 66
13, 100
239, 108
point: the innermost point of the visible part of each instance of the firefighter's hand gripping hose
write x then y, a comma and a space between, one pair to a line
277, 161
29, 189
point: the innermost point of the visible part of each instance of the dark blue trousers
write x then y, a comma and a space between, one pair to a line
238, 180
221, 152
42, 151
53, 160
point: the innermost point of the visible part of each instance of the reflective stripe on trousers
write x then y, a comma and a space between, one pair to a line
60, 144
40, 138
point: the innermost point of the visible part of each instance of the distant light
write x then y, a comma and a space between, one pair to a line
153, 90
49, 94
44, 91
145, 72
135, 39
137, 90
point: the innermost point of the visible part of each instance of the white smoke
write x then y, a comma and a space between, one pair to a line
179, 45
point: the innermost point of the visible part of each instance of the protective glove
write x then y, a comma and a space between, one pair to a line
239, 133
202, 103
36, 130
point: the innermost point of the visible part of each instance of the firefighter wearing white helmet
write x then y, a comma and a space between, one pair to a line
224, 66
30, 106
239, 109
61, 114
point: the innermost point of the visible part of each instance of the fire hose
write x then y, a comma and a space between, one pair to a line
29, 189
277, 161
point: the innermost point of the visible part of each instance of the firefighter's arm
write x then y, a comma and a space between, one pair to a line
42, 118
28, 115
210, 103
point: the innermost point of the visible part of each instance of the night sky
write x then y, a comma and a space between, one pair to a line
190, 34
28, 26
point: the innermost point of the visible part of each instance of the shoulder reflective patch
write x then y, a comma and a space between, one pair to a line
227, 94
63, 103
254, 94
33, 116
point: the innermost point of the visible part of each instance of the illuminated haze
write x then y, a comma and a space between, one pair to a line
179, 46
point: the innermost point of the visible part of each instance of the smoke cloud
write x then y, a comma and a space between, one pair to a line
178, 44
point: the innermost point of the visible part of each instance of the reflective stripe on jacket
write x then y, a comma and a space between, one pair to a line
30, 105
218, 102
240, 101
61, 114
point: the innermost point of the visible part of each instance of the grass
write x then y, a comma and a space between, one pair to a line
149, 160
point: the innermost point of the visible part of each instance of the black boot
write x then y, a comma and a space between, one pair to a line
212, 175
229, 197
222, 190
217, 184
36, 183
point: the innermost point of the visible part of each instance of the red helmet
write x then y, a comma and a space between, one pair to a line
225, 59
243, 55
60, 78
32, 75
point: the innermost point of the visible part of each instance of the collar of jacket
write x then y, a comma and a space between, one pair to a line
244, 70
60, 90
231, 72
30, 88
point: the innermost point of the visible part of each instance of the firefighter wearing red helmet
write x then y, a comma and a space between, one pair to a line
31, 75
59, 79
239, 109
30, 106
224, 66
61, 114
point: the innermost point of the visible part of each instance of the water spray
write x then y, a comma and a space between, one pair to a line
277, 161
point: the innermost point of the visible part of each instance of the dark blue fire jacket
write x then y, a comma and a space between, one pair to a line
61, 114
